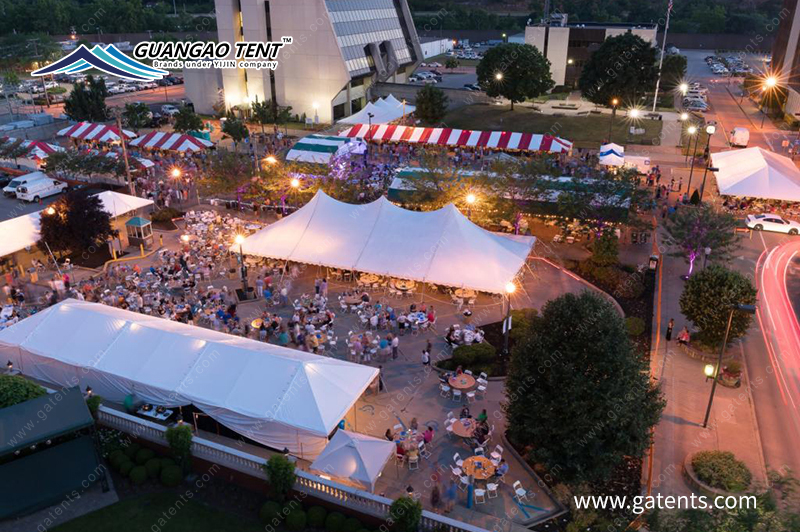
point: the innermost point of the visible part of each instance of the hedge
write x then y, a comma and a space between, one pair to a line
116, 458
126, 467
131, 450
167, 462
269, 511
316, 516
138, 475
296, 520
171, 476
15, 389
166, 214
334, 522
143, 455
352, 524
153, 467
721, 470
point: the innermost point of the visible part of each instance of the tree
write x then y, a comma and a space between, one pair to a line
136, 115
451, 63
87, 101
280, 475
235, 129
263, 112
431, 104
707, 299
77, 222
514, 71
228, 172
13, 149
438, 183
576, 395
405, 515
605, 249
695, 229
624, 67
673, 71
180, 443
10, 85
15, 389
187, 120
70, 164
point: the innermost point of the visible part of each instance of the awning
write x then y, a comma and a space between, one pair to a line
162, 140
96, 132
612, 155
316, 149
354, 458
756, 173
117, 204
501, 140
441, 247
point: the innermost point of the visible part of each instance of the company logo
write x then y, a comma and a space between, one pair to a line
255, 55
109, 60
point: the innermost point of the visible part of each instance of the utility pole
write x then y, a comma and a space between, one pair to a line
124, 140
661, 61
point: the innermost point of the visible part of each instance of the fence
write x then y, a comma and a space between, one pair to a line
312, 485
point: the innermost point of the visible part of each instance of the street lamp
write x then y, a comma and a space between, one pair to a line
471, 199
570, 61
684, 117
176, 173
510, 289
750, 309
691, 131
769, 84
270, 159
710, 129
315, 105
499, 76
614, 104
709, 371
295, 183
240, 240
707, 252
684, 88
633, 113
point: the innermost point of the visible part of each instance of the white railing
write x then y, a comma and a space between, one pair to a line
250, 464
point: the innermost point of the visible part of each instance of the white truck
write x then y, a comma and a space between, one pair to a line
40, 188
11, 188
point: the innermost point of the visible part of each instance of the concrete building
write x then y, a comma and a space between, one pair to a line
433, 46
786, 56
569, 46
340, 48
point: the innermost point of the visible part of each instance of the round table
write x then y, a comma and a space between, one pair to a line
365, 338
479, 467
352, 300
464, 427
256, 323
369, 278
465, 293
417, 317
461, 382
403, 284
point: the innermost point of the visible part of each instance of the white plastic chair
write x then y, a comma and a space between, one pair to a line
457, 459
471, 397
479, 451
456, 471
480, 496
464, 483
450, 415
445, 390
481, 391
497, 454
519, 492
467, 372
423, 451
491, 489
398, 428
457, 395
413, 463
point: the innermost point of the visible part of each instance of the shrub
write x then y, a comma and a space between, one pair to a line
180, 442
138, 475
116, 458
94, 402
351, 524
406, 513
721, 470
469, 356
132, 449
280, 475
334, 522
166, 462
630, 286
635, 326
15, 389
171, 476
166, 215
143, 455
126, 467
734, 367
316, 516
296, 520
153, 467
605, 250
269, 511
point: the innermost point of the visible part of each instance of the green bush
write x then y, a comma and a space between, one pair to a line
171, 476
605, 250
630, 286
143, 455
269, 511
721, 470
469, 356
167, 462
166, 215
635, 326
296, 520
126, 467
406, 514
280, 475
316, 516
138, 475
153, 467
334, 522
351, 524
180, 442
131, 450
116, 458
94, 402
15, 389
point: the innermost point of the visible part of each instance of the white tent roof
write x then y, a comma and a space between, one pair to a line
278, 396
384, 110
612, 154
317, 149
757, 173
441, 247
23, 231
355, 457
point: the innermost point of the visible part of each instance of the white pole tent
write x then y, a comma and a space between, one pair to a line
354, 458
612, 154
441, 247
283, 398
384, 110
756, 173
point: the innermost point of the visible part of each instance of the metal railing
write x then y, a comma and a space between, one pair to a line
348, 497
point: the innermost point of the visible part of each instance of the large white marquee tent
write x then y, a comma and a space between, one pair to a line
383, 111
756, 173
440, 247
280, 397
354, 458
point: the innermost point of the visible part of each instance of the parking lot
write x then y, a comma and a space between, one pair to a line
12, 207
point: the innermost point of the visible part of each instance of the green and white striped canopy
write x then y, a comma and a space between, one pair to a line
316, 149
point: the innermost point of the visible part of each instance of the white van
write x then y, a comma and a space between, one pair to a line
740, 136
41, 188
11, 189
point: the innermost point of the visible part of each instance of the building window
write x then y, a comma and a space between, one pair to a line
338, 111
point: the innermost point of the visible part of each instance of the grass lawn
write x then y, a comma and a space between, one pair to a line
152, 512
585, 131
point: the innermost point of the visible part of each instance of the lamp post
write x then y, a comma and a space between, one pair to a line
691, 131
769, 84
750, 309
683, 118
471, 199
706, 252
240, 240
710, 129
510, 289
614, 103
270, 159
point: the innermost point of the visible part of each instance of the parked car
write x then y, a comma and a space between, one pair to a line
435, 65
5, 179
11, 188
413, 79
169, 110
429, 81
772, 222
472, 87
40, 188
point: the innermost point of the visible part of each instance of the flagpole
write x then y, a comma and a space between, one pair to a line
661, 61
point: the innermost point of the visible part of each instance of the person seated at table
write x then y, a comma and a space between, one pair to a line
402, 321
465, 413
431, 314
412, 308
483, 416
413, 453
450, 337
365, 297
427, 436
414, 425
502, 469
459, 370
378, 305
389, 435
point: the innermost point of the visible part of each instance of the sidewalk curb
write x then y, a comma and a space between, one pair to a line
756, 429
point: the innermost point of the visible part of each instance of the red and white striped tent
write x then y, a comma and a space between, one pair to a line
500, 140
162, 140
96, 132
37, 150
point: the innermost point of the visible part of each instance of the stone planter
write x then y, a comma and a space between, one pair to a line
730, 380
698, 485
709, 358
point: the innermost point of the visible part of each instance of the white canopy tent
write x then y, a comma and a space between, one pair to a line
612, 154
756, 173
383, 111
281, 397
23, 231
441, 247
354, 458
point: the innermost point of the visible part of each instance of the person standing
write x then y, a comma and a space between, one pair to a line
260, 287
450, 496
426, 358
670, 326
